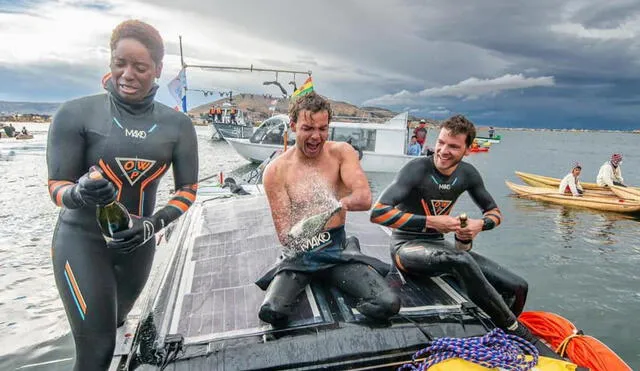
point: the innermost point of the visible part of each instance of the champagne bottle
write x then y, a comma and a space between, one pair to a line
464, 245
312, 225
113, 217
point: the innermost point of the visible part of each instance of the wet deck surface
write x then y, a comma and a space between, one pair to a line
233, 241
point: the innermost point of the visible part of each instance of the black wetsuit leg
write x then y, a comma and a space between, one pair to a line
437, 257
374, 296
89, 278
513, 288
278, 302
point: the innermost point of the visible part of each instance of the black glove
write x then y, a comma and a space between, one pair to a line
129, 240
93, 191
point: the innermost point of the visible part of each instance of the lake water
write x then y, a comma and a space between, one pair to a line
580, 264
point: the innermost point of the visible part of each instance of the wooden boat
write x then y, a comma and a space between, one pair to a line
626, 192
24, 136
555, 182
590, 202
535, 182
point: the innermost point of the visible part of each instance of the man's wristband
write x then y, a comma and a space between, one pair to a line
488, 223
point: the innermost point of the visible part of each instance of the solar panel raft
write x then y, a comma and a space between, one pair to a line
199, 310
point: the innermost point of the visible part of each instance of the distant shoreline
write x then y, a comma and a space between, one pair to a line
478, 128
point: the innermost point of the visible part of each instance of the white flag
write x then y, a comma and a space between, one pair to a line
178, 86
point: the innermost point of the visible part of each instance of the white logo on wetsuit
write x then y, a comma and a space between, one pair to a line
133, 133
444, 186
149, 230
315, 241
134, 168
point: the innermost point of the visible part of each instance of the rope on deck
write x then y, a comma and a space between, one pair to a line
494, 349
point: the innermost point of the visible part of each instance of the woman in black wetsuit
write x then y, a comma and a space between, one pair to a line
134, 140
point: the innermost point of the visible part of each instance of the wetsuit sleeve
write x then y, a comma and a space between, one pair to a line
482, 198
386, 212
185, 174
65, 157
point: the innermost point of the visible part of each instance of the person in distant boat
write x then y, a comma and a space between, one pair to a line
610, 172
474, 144
24, 131
491, 131
421, 133
414, 147
306, 180
417, 205
212, 113
219, 114
134, 140
233, 114
571, 182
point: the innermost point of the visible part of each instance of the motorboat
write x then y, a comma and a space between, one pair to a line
381, 146
227, 125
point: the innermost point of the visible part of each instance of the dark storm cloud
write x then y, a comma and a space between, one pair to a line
517, 63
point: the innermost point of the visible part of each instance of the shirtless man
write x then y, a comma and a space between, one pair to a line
311, 178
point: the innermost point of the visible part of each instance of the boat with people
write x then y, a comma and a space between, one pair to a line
494, 139
382, 147
23, 136
602, 203
230, 122
199, 309
546, 182
551, 182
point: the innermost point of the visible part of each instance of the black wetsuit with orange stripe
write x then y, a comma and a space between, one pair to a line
420, 191
134, 145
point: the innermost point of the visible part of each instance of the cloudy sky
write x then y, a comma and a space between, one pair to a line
544, 63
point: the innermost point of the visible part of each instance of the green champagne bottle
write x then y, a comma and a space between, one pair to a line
113, 217
464, 245
312, 225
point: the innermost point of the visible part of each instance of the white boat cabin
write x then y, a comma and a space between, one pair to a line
390, 137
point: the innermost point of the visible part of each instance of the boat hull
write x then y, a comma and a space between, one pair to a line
555, 182
490, 140
626, 192
232, 131
479, 149
535, 182
590, 202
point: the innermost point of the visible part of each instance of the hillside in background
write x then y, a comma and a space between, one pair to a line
8, 108
257, 107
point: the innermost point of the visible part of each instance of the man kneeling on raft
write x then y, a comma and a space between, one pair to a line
308, 180
417, 204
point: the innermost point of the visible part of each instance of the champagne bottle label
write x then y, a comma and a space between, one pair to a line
311, 226
112, 218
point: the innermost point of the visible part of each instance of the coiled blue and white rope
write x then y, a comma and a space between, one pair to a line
494, 349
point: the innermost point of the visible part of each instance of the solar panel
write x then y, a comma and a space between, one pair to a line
236, 244
417, 295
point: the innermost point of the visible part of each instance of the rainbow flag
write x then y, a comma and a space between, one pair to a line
306, 88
